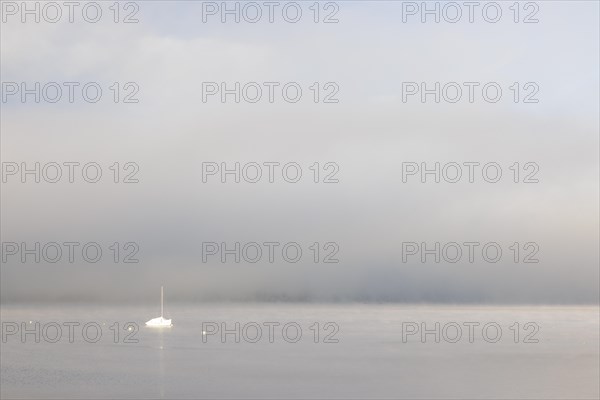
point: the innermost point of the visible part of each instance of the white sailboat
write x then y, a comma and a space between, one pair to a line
160, 321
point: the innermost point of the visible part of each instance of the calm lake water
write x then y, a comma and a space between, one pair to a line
361, 351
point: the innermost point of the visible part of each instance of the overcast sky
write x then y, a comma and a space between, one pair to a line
368, 134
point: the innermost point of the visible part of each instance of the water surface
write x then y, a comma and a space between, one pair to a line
369, 360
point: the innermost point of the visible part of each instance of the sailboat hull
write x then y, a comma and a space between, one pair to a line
159, 322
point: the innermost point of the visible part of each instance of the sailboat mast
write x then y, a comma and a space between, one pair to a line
161, 301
